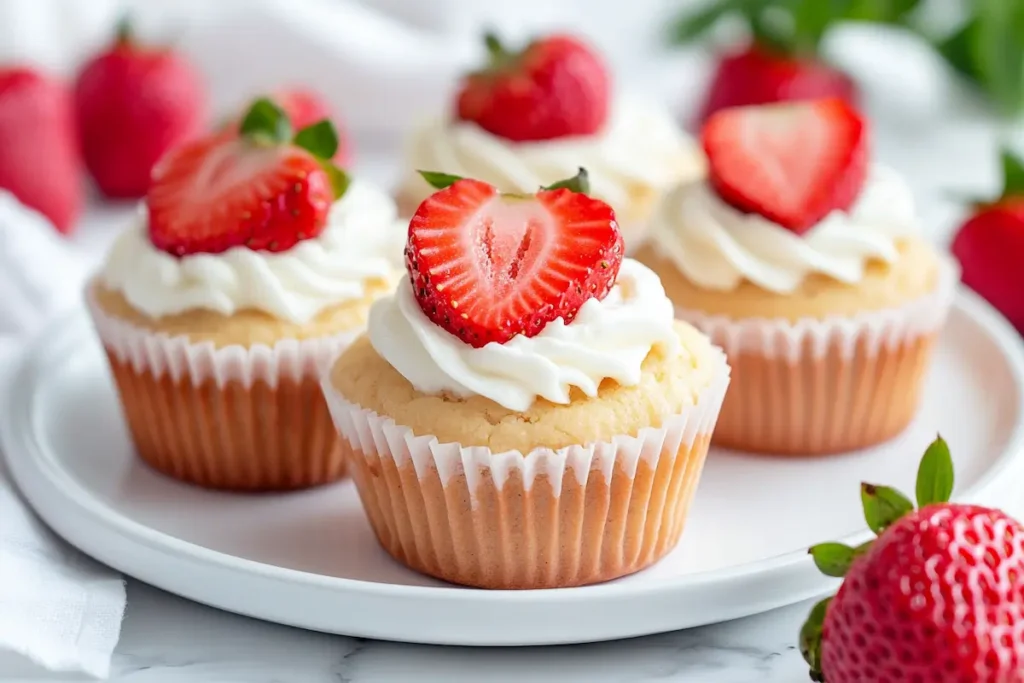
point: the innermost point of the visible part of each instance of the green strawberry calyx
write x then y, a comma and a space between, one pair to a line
883, 506
266, 123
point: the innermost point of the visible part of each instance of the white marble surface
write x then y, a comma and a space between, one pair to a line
168, 640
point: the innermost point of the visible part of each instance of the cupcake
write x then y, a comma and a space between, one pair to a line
803, 260
255, 263
531, 117
524, 412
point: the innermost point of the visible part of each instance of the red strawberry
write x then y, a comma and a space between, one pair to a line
260, 189
39, 161
990, 246
756, 75
487, 266
134, 103
938, 597
556, 87
792, 163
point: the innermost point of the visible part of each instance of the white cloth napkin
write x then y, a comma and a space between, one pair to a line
58, 608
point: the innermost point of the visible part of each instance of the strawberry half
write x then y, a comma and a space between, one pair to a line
938, 596
487, 266
262, 189
556, 87
791, 163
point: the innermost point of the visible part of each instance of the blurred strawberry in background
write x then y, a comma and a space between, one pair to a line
990, 245
304, 107
133, 103
39, 160
779, 59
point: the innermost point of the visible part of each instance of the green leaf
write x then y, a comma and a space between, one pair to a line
935, 474
495, 49
810, 638
340, 180
124, 33
321, 139
812, 18
1013, 174
833, 559
691, 26
266, 121
439, 181
997, 50
578, 183
956, 50
883, 506
881, 11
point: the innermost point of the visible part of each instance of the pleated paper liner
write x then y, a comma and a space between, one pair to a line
830, 385
551, 518
236, 418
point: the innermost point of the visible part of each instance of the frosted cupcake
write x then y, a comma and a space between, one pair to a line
525, 412
803, 260
255, 263
530, 118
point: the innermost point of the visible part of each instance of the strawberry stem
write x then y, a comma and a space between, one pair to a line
497, 52
124, 34
266, 123
439, 181
579, 183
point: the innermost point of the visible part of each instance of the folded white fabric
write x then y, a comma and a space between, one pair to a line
58, 608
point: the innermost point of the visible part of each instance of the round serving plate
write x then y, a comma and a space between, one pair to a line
310, 560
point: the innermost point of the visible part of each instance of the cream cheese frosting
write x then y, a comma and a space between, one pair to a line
608, 339
717, 246
362, 241
641, 146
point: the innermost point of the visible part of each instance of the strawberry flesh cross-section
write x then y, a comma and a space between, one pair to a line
488, 266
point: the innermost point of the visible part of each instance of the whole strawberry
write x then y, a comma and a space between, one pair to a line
133, 103
39, 160
487, 266
757, 74
938, 597
264, 188
990, 246
557, 87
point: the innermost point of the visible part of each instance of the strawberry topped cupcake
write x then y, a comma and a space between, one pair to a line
255, 263
529, 118
802, 258
524, 411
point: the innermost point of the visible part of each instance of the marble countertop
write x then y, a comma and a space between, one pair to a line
168, 640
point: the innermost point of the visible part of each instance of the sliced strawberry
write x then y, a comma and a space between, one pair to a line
791, 163
487, 266
221, 192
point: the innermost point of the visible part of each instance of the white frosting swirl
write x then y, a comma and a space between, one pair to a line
363, 240
608, 339
640, 146
717, 246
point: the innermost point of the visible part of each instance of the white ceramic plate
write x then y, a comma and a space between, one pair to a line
310, 560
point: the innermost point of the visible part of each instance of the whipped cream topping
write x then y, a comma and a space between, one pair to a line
717, 246
362, 241
608, 339
640, 146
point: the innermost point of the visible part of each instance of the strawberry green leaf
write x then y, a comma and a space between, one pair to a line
883, 506
339, 179
692, 26
833, 559
495, 49
578, 183
439, 181
935, 474
265, 121
810, 638
1013, 175
124, 33
321, 139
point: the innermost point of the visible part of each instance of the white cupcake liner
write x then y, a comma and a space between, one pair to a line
885, 328
370, 433
159, 353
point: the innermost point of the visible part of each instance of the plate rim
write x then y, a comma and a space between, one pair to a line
20, 432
